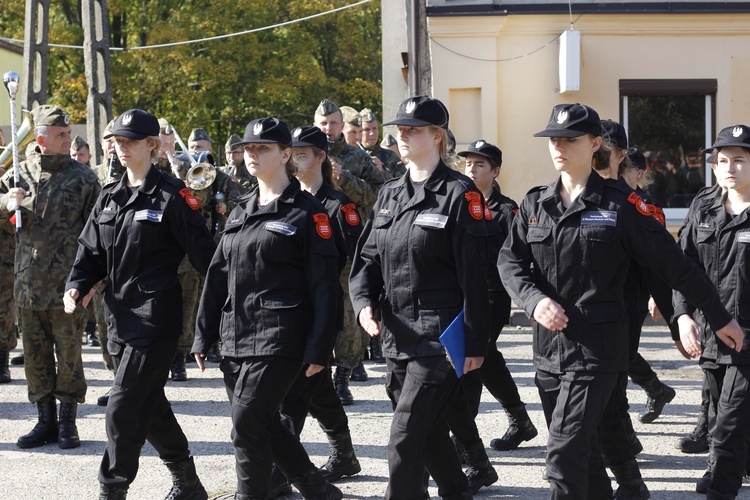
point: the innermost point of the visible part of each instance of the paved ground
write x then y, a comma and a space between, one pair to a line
202, 409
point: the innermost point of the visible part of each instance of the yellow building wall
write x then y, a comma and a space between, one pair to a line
518, 91
9, 61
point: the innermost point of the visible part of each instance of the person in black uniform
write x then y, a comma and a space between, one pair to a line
565, 263
270, 296
139, 231
421, 259
317, 394
716, 237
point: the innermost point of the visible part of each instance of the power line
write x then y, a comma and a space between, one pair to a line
208, 39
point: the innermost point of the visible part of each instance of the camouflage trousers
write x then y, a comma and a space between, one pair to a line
101, 326
47, 333
192, 285
349, 344
8, 340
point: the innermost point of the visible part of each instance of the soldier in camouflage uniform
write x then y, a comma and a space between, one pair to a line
356, 175
56, 195
8, 340
80, 151
388, 161
236, 167
352, 129
389, 142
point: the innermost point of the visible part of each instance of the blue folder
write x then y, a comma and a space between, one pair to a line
454, 341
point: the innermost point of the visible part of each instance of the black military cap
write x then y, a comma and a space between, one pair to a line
572, 120
421, 111
50, 115
734, 136
637, 158
135, 124
309, 136
199, 134
267, 130
616, 134
326, 107
484, 148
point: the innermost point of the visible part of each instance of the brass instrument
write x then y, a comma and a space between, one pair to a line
200, 176
25, 136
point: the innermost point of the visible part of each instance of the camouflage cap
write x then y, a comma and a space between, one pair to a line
388, 141
48, 115
78, 143
368, 116
165, 128
233, 141
199, 134
351, 116
109, 126
326, 108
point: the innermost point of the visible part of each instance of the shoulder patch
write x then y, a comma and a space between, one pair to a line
322, 225
191, 200
476, 209
350, 214
639, 204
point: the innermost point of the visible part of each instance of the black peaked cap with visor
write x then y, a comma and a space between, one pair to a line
266, 130
421, 111
572, 120
134, 124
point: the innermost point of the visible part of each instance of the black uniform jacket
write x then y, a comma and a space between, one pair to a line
502, 210
424, 258
137, 243
579, 258
720, 244
272, 287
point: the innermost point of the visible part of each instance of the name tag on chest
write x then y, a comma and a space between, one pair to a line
599, 218
280, 228
149, 215
743, 237
436, 221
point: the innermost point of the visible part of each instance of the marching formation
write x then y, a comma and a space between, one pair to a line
305, 252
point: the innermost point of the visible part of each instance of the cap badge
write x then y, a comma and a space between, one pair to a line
562, 117
127, 119
737, 131
410, 107
478, 144
258, 129
297, 132
66, 119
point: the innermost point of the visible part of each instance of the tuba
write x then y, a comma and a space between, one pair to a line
24, 136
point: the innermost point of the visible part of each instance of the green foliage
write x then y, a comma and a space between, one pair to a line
220, 85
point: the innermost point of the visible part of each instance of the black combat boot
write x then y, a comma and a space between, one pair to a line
659, 394
480, 472
104, 398
112, 492
4, 368
359, 374
520, 429
341, 383
342, 461
90, 331
376, 350
45, 431
185, 482
696, 441
628, 476
68, 430
17, 360
279, 485
313, 486
179, 372
703, 484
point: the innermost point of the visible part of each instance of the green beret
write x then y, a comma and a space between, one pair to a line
78, 143
351, 116
368, 116
199, 134
231, 142
326, 108
388, 141
48, 115
165, 128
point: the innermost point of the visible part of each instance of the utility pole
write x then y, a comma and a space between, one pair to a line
35, 53
96, 58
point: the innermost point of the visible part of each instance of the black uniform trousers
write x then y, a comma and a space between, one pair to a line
138, 410
731, 436
317, 396
461, 412
573, 404
256, 387
616, 431
420, 390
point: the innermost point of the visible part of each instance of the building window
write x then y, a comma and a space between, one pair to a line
671, 121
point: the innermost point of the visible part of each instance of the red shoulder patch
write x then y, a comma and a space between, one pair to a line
350, 214
658, 214
475, 205
487, 213
323, 226
640, 205
191, 200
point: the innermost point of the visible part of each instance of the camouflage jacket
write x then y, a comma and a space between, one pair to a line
361, 179
7, 249
245, 180
102, 171
61, 195
392, 165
